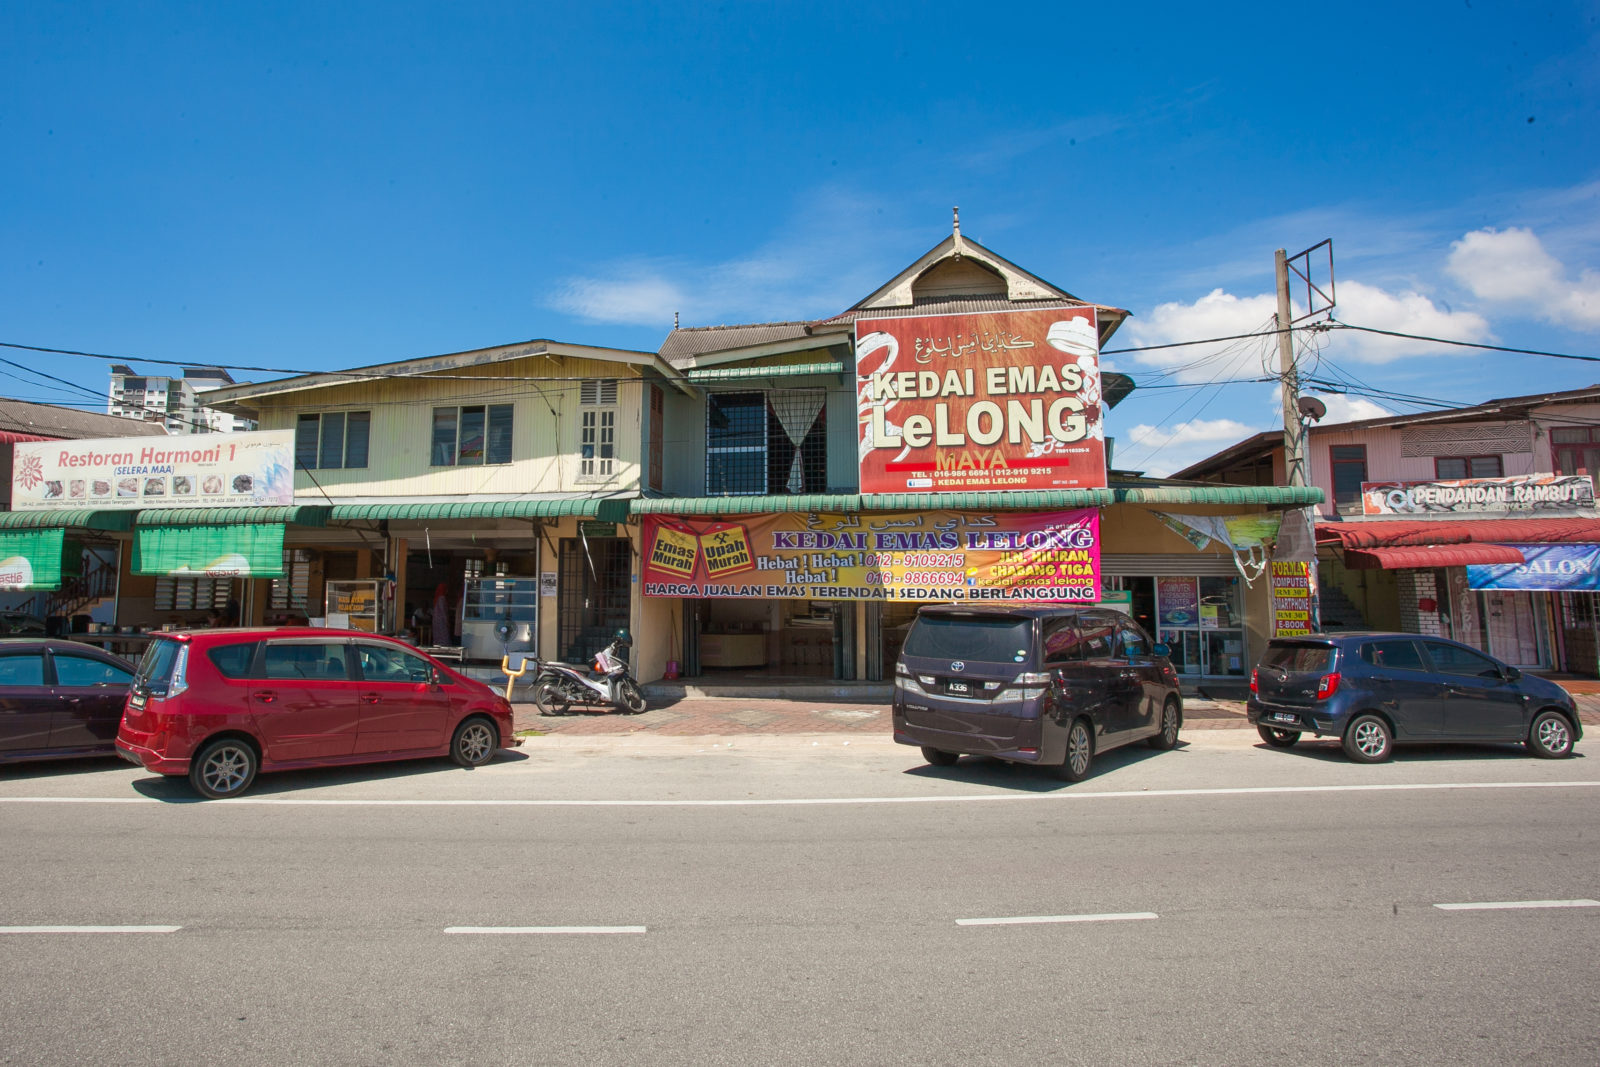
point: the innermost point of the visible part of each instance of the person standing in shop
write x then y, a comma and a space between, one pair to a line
441, 615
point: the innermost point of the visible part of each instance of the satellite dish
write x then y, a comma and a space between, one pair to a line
1311, 408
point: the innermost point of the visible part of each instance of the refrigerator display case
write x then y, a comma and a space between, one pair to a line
490, 601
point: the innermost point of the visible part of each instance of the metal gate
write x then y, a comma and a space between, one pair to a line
592, 601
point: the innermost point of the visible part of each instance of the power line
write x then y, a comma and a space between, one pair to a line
1461, 344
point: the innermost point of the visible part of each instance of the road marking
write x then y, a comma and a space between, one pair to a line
544, 929
1017, 920
89, 929
1061, 795
1511, 905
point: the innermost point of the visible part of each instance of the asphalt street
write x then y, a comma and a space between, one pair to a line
810, 900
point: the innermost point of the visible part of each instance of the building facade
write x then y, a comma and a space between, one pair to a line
174, 403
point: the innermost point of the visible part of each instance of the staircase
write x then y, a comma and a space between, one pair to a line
1338, 611
75, 594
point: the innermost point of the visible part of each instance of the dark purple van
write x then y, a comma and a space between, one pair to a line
1039, 684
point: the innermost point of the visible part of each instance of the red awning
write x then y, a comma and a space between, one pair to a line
12, 436
1395, 559
1416, 533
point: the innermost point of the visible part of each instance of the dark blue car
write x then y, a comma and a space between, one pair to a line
1372, 690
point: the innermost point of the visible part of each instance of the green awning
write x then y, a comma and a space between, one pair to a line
300, 515
82, 518
788, 370
746, 505
1278, 495
605, 509
37, 559
1031, 499
236, 551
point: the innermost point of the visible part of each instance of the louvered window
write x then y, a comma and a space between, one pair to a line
597, 428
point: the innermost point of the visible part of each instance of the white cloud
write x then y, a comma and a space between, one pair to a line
1512, 267
1349, 408
1403, 312
1160, 450
1217, 314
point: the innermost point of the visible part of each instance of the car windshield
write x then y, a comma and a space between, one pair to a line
155, 669
1295, 656
992, 638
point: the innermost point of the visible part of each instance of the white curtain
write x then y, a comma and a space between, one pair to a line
797, 410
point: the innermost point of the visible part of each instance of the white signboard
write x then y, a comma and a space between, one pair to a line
182, 471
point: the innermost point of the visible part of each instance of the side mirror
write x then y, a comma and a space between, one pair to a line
1512, 674
1160, 649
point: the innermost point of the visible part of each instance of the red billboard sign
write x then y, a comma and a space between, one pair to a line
992, 401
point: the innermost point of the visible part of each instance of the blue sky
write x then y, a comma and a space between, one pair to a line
319, 186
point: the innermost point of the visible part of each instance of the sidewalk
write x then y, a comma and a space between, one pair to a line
747, 716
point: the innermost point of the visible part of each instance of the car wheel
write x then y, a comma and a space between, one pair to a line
550, 699
1168, 737
1550, 736
224, 768
1080, 753
1278, 738
632, 696
939, 757
474, 742
1368, 740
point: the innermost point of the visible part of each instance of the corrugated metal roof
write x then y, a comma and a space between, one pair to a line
52, 420
82, 518
1394, 559
746, 505
1272, 495
789, 370
300, 515
1050, 499
959, 305
1462, 531
605, 509
683, 345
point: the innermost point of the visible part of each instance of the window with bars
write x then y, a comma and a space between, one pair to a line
760, 444
1577, 450
472, 435
1452, 467
330, 440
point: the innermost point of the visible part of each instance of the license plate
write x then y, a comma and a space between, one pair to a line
137, 701
1283, 716
959, 687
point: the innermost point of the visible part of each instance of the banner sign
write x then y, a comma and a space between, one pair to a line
1178, 601
182, 471
1467, 496
37, 559
933, 556
244, 551
1571, 568
994, 401
1291, 598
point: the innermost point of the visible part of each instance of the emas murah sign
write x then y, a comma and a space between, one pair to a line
975, 403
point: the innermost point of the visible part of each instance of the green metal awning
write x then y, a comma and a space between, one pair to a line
786, 370
300, 515
232, 551
83, 518
37, 559
1278, 495
606, 510
746, 505
1045, 499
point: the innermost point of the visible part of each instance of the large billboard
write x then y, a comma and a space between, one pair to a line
1468, 496
184, 471
931, 556
970, 403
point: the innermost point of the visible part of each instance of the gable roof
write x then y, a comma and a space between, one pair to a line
51, 420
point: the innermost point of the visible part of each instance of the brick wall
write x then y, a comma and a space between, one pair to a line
1418, 585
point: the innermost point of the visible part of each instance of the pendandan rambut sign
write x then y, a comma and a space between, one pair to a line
925, 556
972, 403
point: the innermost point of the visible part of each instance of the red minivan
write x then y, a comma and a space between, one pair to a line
219, 705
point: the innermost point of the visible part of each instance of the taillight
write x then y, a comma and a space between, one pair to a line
1254, 673
1328, 685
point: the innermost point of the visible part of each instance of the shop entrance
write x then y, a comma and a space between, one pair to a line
1201, 619
593, 596
772, 638
1512, 626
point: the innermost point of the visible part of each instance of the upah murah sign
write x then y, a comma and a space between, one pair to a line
997, 401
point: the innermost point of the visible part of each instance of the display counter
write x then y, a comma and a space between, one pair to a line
733, 650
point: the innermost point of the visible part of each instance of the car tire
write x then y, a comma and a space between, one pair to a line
1550, 736
1167, 738
550, 699
632, 696
224, 768
474, 742
939, 757
1080, 753
1278, 738
1368, 740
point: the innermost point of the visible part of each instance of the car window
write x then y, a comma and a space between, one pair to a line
992, 638
1395, 655
1061, 642
22, 669
381, 663
322, 660
1453, 659
233, 661
1298, 656
1134, 643
1097, 642
76, 671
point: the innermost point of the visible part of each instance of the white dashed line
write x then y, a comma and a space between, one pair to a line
1018, 920
1514, 905
544, 929
89, 929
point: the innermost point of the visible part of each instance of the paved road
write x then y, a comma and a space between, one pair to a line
811, 900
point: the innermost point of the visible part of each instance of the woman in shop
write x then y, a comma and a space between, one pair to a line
441, 615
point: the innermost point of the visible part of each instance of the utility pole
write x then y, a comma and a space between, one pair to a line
1294, 458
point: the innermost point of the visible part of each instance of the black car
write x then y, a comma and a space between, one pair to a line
59, 699
1372, 690
1046, 685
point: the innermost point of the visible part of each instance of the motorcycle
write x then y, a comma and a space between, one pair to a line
558, 686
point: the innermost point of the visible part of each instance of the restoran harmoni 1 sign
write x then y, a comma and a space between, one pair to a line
1466, 496
933, 556
181, 471
972, 403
